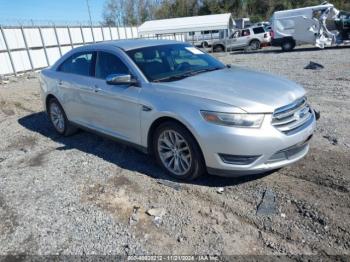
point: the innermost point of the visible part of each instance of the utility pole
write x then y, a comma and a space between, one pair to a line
88, 6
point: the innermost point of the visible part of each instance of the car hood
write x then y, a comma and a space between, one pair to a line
252, 91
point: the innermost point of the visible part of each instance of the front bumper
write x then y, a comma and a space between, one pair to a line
266, 142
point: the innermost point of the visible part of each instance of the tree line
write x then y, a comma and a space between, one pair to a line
135, 12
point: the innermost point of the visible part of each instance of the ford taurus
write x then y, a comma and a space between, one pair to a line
190, 111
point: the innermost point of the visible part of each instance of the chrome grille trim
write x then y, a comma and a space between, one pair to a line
292, 117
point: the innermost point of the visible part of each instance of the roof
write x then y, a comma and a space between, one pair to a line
186, 24
132, 43
126, 45
301, 11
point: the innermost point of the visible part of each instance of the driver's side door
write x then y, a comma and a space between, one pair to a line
115, 108
232, 40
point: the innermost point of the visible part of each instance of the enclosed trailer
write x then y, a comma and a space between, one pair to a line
321, 25
200, 30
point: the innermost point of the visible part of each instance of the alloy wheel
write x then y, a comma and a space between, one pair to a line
174, 152
57, 117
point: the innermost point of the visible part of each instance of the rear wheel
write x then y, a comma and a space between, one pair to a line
254, 45
177, 151
59, 119
288, 45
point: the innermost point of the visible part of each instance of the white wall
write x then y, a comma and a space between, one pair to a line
55, 46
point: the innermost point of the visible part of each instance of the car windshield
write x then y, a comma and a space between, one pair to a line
173, 62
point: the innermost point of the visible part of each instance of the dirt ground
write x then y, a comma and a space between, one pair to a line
87, 195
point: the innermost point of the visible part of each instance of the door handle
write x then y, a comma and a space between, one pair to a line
60, 82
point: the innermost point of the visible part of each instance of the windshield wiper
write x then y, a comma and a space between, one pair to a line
187, 74
206, 70
172, 78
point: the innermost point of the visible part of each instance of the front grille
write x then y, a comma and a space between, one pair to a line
291, 118
290, 152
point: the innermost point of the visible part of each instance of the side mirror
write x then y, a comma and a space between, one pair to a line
121, 79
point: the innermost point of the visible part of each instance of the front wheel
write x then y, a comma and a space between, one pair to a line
219, 48
177, 151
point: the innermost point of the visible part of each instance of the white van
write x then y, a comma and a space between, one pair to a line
314, 25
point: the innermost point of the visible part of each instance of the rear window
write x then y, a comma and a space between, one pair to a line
258, 30
79, 64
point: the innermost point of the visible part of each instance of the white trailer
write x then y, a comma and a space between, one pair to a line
316, 25
199, 30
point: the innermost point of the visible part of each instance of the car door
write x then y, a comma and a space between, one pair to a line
74, 87
244, 38
115, 109
232, 40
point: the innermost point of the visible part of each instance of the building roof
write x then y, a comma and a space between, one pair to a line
186, 24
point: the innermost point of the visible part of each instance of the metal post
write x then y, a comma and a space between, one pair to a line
57, 40
82, 34
110, 32
132, 33
118, 32
103, 34
93, 36
125, 32
27, 47
70, 37
8, 51
44, 46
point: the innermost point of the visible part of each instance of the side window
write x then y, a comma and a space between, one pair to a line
246, 32
79, 64
259, 30
107, 64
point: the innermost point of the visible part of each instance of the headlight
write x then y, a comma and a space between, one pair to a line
236, 120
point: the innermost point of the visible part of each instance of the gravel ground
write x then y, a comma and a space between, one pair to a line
88, 195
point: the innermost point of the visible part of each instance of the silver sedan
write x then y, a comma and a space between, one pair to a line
171, 100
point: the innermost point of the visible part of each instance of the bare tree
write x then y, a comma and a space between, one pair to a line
110, 13
129, 12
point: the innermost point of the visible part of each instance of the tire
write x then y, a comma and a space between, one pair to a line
204, 45
288, 45
173, 143
59, 119
219, 48
255, 45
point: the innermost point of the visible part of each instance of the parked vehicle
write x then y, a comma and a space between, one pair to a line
203, 39
242, 23
321, 25
253, 38
174, 101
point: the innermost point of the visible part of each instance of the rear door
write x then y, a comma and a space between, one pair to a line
244, 38
74, 87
